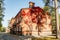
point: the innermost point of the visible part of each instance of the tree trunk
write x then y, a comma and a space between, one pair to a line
57, 18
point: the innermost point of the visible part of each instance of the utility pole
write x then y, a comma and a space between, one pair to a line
57, 17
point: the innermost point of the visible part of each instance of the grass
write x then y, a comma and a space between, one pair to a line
45, 38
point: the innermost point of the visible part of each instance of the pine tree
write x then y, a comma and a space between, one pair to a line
1, 12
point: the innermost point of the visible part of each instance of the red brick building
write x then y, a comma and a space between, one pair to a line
31, 21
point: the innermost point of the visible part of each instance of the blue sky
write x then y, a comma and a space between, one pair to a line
14, 6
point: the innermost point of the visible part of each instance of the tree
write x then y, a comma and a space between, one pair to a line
1, 12
49, 3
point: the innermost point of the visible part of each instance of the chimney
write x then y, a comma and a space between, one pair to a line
31, 4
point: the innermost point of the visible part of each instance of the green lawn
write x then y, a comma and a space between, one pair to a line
45, 38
